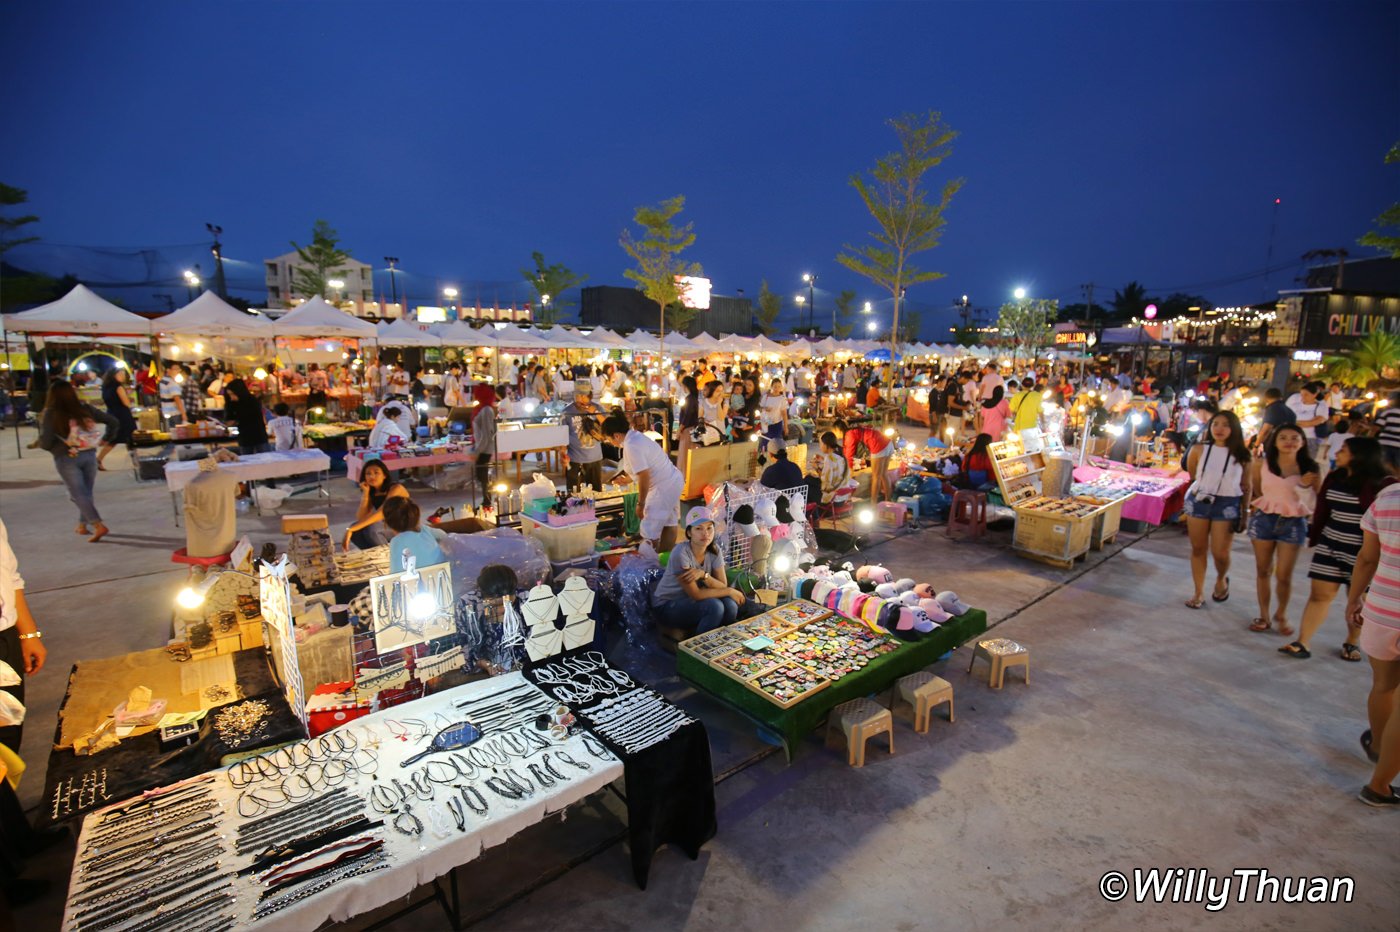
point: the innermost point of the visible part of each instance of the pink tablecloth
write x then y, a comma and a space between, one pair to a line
355, 462
1154, 507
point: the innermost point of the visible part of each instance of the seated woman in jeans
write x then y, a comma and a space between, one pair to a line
695, 596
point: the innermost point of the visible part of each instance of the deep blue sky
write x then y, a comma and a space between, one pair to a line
1100, 142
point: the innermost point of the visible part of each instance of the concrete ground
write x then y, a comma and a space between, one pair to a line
1150, 736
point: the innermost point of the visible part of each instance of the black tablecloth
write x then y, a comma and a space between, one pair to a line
138, 764
670, 787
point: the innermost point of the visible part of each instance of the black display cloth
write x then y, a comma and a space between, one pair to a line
138, 764
670, 785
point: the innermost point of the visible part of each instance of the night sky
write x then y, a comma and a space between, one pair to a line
1099, 142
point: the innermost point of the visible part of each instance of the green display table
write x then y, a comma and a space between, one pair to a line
791, 724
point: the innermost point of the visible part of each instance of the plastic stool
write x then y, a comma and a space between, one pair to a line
923, 691
968, 513
182, 556
859, 721
1002, 654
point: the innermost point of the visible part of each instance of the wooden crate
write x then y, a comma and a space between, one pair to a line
1106, 524
1055, 539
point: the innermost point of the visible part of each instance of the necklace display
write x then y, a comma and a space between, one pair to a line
239, 724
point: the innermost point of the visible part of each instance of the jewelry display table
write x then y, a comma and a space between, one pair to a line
386, 826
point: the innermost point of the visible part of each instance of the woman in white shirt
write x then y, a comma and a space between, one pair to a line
1217, 464
387, 426
773, 411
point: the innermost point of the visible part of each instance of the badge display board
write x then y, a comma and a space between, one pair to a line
791, 652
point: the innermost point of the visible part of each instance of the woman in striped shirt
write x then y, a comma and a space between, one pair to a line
1374, 603
1336, 533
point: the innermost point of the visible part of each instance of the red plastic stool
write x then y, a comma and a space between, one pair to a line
968, 513
181, 556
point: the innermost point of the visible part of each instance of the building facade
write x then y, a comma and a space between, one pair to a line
620, 308
357, 276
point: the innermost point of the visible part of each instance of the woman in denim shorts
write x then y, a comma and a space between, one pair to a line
1217, 463
1287, 479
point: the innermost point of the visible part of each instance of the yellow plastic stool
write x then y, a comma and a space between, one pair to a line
1002, 654
923, 691
859, 721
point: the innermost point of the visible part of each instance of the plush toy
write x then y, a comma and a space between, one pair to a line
952, 604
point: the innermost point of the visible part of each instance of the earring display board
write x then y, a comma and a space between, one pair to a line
275, 598
804, 648
398, 620
329, 828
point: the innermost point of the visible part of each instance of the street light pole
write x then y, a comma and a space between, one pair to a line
811, 281
393, 283
218, 250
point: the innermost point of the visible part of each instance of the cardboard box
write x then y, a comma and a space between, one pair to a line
294, 523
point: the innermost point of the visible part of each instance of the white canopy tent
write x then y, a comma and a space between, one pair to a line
461, 333
80, 311
703, 341
404, 333
211, 316
825, 346
316, 320
513, 338
764, 344
602, 337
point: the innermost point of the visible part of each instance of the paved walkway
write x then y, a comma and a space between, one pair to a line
1151, 736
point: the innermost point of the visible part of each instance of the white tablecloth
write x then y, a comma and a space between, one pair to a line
414, 861
254, 466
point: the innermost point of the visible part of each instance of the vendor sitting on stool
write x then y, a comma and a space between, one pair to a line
659, 482
695, 596
402, 516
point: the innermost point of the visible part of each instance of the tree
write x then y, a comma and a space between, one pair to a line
318, 260
11, 196
966, 336
909, 325
657, 255
845, 324
1390, 217
551, 281
1178, 304
1130, 301
1025, 325
770, 305
906, 223
1369, 360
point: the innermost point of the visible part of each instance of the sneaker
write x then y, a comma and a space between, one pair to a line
1371, 798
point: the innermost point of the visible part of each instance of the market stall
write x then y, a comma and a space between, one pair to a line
1152, 495
787, 668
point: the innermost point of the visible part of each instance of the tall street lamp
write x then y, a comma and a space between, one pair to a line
393, 282
800, 302
811, 281
544, 307
450, 294
339, 286
191, 283
868, 308
1020, 294
218, 250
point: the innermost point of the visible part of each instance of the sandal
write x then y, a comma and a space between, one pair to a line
1283, 629
1226, 596
1259, 624
1296, 649
1350, 652
1195, 603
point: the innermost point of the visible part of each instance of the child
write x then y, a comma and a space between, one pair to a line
403, 517
283, 428
1341, 433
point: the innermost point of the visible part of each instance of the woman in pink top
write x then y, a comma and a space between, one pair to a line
1377, 611
1287, 479
995, 413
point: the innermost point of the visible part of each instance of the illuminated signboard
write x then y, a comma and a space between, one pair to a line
1070, 337
1307, 355
695, 292
431, 315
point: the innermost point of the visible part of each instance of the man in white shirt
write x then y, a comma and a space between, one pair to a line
1310, 410
991, 380
659, 482
172, 402
848, 377
802, 378
20, 640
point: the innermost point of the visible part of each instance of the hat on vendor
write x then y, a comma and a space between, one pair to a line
698, 515
583, 388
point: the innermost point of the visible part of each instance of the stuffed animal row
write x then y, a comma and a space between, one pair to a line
871, 594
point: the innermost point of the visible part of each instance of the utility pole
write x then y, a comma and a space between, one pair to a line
218, 251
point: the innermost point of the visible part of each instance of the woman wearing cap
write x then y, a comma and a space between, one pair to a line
659, 482
695, 596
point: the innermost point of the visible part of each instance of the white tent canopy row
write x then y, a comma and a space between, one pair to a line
79, 311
